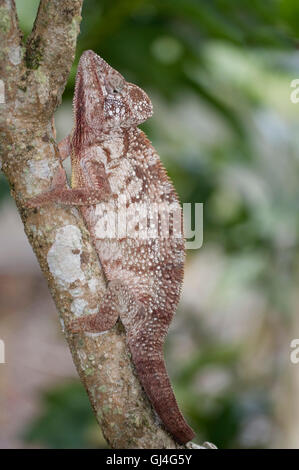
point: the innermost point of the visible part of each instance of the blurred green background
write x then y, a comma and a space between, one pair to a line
219, 75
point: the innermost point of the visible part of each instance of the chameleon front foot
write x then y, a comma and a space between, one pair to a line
57, 187
107, 315
86, 323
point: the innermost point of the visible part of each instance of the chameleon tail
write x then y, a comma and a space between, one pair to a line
152, 373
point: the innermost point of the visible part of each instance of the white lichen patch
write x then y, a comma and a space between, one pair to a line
82, 354
64, 256
62, 324
78, 306
76, 292
42, 86
95, 335
93, 285
82, 358
15, 55
40, 168
74, 29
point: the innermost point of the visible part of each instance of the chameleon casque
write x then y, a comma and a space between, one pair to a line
113, 162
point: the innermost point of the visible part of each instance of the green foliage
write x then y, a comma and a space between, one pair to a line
220, 417
66, 420
4, 188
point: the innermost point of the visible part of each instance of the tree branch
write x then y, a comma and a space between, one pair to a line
51, 47
34, 80
10, 54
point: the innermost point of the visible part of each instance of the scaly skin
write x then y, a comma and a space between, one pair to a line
115, 168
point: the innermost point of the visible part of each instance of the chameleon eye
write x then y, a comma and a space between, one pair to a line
115, 84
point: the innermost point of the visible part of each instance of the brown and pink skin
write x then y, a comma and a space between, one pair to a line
114, 166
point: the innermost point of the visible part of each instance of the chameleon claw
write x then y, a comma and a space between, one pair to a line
59, 178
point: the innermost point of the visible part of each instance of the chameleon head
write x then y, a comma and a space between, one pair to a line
104, 99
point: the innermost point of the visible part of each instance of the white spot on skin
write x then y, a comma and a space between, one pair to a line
152, 159
64, 256
135, 187
109, 251
99, 155
78, 306
116, 147
106, 226
117, 174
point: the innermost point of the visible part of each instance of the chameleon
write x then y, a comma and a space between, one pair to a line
115, 165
